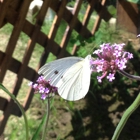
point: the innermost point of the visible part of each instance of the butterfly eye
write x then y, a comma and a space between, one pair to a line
93, 67
56, 72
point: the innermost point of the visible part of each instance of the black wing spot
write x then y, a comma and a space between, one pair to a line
56, 72
61, 77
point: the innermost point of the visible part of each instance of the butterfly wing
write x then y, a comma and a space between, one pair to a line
74, 84
56, 69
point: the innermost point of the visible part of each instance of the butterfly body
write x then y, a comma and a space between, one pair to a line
71, 75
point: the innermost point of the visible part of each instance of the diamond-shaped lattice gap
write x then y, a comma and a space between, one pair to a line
35, 57
23, 91
20, 46
5, 33
82, 11
48, 21
92, 19
8, 82
60, 32
72, 41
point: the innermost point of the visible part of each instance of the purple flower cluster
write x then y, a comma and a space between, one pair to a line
110, 59
43, 87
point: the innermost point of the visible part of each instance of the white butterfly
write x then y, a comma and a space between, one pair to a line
71, 75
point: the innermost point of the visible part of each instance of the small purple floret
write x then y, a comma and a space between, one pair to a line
110, 59
43, 87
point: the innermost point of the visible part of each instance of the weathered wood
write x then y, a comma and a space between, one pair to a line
128, 16
3, 103
57, 20
90, 9
3, 8
42, 38
70, 27
99, 17
13, 39
14, 12
9, 51
15, 65
30, 47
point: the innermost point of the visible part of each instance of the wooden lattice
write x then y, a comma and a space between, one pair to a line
128, 16
14, 12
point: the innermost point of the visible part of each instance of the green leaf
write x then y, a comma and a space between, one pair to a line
112, 10
20, 107
134, 1
78, 43
35, 136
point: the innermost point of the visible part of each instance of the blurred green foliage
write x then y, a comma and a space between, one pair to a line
134, 1
105, 34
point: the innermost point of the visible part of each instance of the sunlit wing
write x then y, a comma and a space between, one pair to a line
74, 84
56, 69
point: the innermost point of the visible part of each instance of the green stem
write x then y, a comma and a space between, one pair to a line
20, 107
47, 119
125, 117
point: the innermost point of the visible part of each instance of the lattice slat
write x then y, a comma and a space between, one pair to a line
88, 12
3, 10
15, 65
99, 17
31, 45
57, 20
14, 37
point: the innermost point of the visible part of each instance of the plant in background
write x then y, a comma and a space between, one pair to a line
71, 78
46, 91
134, 1
105, 33
111, 59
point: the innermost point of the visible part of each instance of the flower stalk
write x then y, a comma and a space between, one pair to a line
46, 91
110, 59
125, 117
134, 77
47, 119
20, 107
